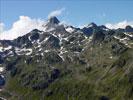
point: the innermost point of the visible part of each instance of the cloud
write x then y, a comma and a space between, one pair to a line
56, 12
24, 25
122, 24
1, 27
21, 27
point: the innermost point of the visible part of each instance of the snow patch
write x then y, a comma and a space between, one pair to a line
30, 52
8, 48
130, 35
1, 49
42, 54
69, 29
110, 57
60, 54
20, 51
46, 39
66, 39
46, 51
29, 38
40, 49
2, 69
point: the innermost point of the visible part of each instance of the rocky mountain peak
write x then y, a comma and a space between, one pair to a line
51, 24
103, 26
91, 25
129, 28
98, 36
42, 60
53, 20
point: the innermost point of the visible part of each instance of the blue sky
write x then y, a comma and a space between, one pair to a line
77, 12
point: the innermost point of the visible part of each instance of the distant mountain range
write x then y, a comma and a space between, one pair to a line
64, 62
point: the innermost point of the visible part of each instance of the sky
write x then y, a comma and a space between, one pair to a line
112, 13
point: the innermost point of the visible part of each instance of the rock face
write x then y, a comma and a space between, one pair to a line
88, 30
54, 20
129, 29
118, 49
63, 61
34, 35
51, 23
2, 81
98, 36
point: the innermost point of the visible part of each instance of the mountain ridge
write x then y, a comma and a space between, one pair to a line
45, 61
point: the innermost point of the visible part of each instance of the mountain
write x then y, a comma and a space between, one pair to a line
51, 24
64, 62
88, 30
53, 20
129, 29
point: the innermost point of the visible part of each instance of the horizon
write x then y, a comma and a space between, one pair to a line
17, 15
66, 50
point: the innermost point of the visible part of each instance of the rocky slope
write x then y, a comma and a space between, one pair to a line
64, 62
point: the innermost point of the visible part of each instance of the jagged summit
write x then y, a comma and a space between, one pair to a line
51, 23
61, 58
129, 28
92, 24
88, 30
103, 26
53, 20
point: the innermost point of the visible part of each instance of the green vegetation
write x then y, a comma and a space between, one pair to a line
103, 71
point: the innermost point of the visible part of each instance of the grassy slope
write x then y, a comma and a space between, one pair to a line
105, 78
